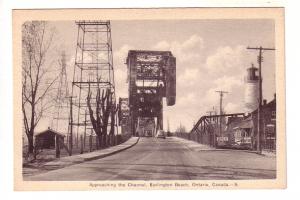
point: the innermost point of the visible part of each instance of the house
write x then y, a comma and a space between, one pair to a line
239, 130
268, 124
245, 130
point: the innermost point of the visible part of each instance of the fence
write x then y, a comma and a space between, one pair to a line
80, 145
92, 142
269, 144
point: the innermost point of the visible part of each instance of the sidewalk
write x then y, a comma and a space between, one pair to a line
71, 160
268, 153
195, 146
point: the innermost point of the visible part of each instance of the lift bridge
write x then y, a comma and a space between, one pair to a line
151, 76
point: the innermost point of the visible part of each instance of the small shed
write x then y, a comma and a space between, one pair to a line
48, 138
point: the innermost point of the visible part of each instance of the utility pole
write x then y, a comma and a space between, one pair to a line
71, 125
85, 124
168, 129
259, 61
221, 92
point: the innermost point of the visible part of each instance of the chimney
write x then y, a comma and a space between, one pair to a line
265, 102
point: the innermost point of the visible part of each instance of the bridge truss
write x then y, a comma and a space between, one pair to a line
207, 129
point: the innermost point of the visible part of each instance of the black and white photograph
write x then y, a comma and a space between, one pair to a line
124, 101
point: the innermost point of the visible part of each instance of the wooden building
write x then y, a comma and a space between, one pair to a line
47, 139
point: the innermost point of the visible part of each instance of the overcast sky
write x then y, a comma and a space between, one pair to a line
211, 55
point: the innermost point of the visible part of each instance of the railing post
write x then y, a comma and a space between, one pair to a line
91, 143
57, 147
81, 145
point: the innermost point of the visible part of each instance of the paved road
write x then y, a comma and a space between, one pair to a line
169, 159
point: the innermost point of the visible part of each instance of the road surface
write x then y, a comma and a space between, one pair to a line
168, 159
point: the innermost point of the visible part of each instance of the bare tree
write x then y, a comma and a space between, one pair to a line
36, 42
104, 110
181, 129
114, 110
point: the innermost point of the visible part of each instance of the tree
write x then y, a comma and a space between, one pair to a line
181, 129
105, 109
36, 42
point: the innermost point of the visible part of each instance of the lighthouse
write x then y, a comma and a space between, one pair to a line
251, 89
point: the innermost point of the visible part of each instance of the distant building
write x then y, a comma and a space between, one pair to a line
124, 121
146, 127
124, 115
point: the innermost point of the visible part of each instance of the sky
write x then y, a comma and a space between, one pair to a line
210, 54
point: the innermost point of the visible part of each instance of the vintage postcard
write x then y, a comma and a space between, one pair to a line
147, 99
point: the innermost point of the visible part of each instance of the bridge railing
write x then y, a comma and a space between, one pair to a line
206, 129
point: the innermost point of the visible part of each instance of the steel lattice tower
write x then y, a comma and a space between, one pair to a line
61, 101
93, 69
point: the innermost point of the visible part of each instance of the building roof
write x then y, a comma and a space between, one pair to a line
246, 123
271, 104
49, 130
239, 123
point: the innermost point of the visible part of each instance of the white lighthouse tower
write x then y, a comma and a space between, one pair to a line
251, 89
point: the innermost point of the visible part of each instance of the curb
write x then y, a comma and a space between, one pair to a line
241, 150
77, 159
111, 153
